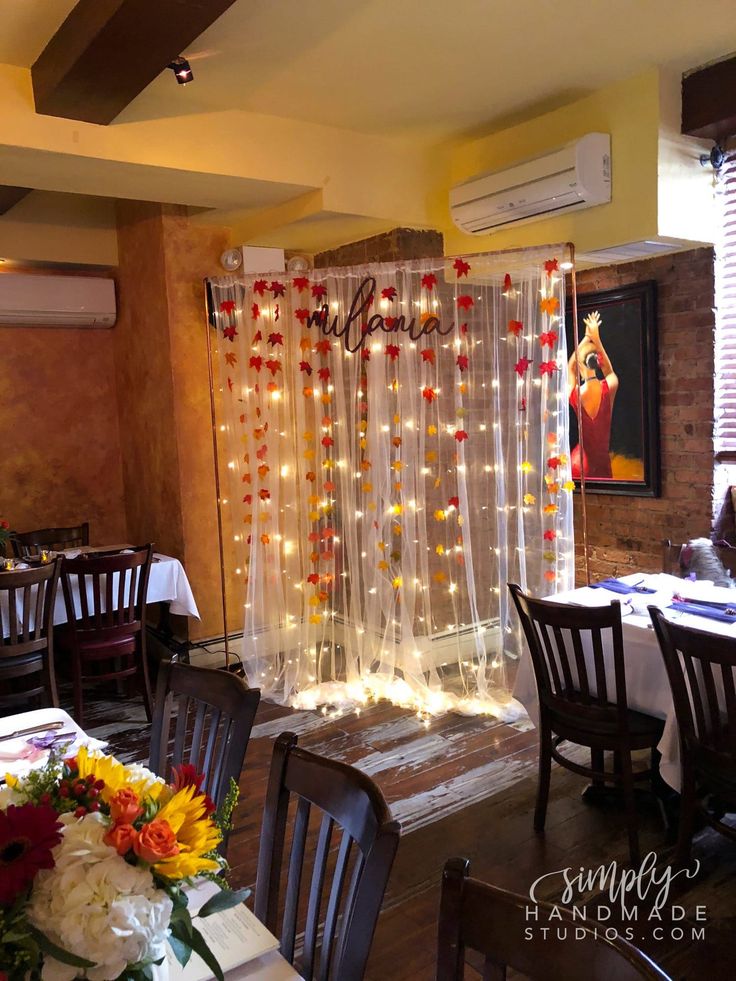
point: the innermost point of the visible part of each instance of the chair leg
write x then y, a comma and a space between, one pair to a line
78, 696
50, 679
688, 803
632, 818
545, 768
147, 700
597, 763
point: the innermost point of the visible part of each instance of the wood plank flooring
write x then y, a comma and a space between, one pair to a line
462, 786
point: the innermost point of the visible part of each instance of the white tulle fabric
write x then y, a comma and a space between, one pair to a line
399, 489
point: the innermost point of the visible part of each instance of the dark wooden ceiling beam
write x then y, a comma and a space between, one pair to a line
107, 51
10, 196
709, 101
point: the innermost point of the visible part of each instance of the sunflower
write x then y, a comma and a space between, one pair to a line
27, 836
196, 835
116, 776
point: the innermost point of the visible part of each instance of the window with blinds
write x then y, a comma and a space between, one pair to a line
725, 283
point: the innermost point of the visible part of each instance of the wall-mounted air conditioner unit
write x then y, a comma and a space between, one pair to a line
574, 177
56, 301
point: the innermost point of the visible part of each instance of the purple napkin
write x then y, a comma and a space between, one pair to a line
724, 614
616, 586
49, 739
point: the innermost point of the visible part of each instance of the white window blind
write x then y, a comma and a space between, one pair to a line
725, 283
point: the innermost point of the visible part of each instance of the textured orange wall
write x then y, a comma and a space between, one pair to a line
59, 431
145, 384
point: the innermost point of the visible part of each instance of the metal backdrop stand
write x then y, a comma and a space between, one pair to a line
578, 413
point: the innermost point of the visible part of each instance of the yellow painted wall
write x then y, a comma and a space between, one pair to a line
52, 227
629, 111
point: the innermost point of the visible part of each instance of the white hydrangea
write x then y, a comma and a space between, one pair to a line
96, 905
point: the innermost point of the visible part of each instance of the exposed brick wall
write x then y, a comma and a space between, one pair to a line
398, 244
625, 533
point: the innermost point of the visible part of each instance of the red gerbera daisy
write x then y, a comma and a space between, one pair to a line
27, 836
185, 775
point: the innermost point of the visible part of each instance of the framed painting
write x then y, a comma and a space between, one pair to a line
616, 363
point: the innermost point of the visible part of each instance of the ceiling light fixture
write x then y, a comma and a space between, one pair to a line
182, 70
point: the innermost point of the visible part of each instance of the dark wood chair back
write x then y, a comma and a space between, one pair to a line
27, 600
571, 686
350, 801
493, 922
29, 543
701, 668
202, 716
112, 594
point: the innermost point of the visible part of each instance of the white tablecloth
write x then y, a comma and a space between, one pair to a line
647, 686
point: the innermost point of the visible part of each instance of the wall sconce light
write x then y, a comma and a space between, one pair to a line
182, 70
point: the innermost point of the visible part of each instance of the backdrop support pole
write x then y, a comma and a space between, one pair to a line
216, 459
578, 413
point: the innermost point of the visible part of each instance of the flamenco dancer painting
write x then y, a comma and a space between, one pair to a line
598, 388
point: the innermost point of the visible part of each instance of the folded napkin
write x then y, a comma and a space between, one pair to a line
616, 586
725, 614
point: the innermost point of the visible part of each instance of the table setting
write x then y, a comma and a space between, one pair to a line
694, 603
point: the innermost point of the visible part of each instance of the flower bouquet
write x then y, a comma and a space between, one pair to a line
94, 858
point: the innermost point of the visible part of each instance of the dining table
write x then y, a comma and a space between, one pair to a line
22, 750
647, 685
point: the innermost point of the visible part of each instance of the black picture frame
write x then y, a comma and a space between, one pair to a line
628, 334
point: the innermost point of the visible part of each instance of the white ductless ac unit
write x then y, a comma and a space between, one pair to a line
574, 177
32, 300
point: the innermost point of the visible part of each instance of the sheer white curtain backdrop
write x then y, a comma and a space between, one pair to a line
397, 442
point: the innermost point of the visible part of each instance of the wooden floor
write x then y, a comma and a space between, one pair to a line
465, 786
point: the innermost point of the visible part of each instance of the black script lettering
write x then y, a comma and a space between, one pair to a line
361, 302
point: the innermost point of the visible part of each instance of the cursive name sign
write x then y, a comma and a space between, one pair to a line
355, 330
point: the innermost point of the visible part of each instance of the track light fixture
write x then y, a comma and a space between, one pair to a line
182, 70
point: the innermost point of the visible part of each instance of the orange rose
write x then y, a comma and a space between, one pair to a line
125, 806
155, 842
122, 838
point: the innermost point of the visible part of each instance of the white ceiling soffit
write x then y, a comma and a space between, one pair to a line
631, 251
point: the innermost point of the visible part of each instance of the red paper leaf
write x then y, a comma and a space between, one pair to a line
313, 577
311, 476
521, 366
256, 362
273, 366
260, 286
277, 288
274, 339
255, 312
428, 355
231, 358
230, 383
547, 367
227, 306
461, 267
463, 329
265, 495
324, 374
388, 293
553, 462
507, 284
429, 281
258, 336
305, 366
319, 291
301, 315
454, 502
328, 441
323, 347
248, 499
390, 322
262, 451
365, 354
465, 302
551, 266
462, 361
393, 351
515, 327
549, 536
300, 283
230, 332
548, 338
429, 394
461, 435
522, 405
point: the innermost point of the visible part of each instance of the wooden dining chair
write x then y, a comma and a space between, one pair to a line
203, 717
30, 543
105, 602
701, 668
26, 633
581, 703
495, 923
350, 801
